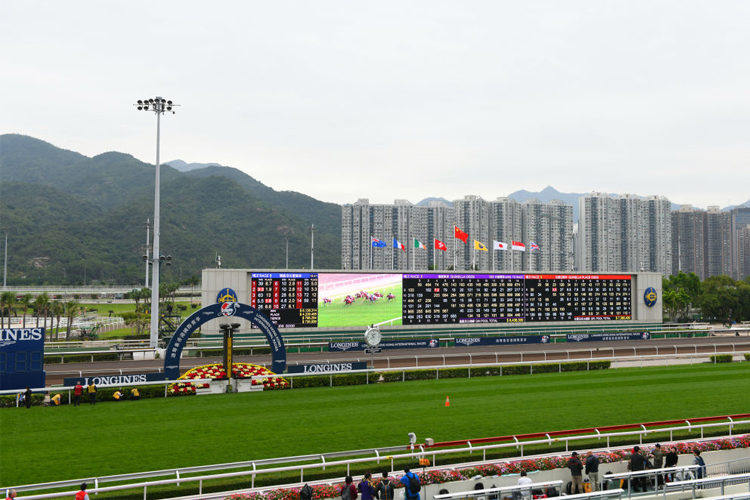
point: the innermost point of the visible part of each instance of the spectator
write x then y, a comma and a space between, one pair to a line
700, 473
11, 495
411, 485
592, 469
523, 480
306, 492
82, 495
385, 489
27, 397
365, 487
658, 457
671, 461
77, 393
348, 491
576, 473
92, 393
638, 463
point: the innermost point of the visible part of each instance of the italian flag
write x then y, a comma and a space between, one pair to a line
418, 244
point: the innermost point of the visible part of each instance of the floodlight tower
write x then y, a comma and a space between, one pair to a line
159, 106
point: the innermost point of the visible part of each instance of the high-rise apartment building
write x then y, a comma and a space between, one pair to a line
702, 241
548, 225
688, 235
740, 220
625, 233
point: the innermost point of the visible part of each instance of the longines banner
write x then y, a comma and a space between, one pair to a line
520, 339
593, 337
130, 379
327, 367
386, 344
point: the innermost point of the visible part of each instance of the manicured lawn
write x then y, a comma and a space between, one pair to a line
114, 438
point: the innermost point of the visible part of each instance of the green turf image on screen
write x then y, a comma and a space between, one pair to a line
359, 299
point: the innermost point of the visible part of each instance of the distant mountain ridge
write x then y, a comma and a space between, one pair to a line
70, 217
183, 166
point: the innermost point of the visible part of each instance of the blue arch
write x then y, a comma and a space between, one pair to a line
223, 310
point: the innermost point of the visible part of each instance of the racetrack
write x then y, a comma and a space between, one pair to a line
431, 357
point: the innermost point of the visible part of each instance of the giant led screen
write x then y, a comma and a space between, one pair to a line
328, 300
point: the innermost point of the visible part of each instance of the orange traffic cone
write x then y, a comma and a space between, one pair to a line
447, 401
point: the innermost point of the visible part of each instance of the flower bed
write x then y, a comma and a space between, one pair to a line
216, 371
322, 491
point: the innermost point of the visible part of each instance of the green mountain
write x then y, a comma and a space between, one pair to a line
70, 217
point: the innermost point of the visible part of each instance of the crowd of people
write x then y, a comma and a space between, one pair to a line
25, 397
638, 461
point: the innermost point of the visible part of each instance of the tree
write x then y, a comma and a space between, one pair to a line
71, 309
40, 305
192, 281
25, 303
720, 298
57, 309
680, 292
7, 299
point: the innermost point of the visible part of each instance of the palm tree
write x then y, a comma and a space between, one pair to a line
71, 309
41, 304
57, 310
25, 303
6, 301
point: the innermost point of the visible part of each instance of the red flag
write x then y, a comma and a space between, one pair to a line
460, 234
439, 245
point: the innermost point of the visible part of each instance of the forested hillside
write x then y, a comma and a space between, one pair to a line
70, 217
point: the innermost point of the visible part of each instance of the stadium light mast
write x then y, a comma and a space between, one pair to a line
159, 106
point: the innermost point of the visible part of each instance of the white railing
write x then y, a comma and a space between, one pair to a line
707, 483
522, 491
296, 465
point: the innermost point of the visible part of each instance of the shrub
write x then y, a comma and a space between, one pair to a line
722, 358
747, 356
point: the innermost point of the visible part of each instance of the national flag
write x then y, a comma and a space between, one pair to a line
499, 245
439, 245
376, 243
517, 245
461, 235
534, 246
418, 244
478, 245
398, 244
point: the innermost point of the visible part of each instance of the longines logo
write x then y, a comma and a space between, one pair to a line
9, 336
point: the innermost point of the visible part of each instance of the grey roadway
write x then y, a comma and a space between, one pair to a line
431, 357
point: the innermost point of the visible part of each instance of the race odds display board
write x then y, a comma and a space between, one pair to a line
290, 300
329, 300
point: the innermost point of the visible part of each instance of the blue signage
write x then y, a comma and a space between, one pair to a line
484, 341
226, 295
223, 310
328, 368
649, 296
129, 379
386, 344
21, 358
594, 337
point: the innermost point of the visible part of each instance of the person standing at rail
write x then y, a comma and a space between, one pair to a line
92, 392
411, 484
592, 469
77, 393
82, 495
576, 473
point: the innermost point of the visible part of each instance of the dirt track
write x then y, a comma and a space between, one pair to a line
431, 357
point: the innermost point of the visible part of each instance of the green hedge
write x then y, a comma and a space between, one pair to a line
722, 358
747, 356
442, 373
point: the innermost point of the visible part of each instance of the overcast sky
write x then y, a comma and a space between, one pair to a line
398, 99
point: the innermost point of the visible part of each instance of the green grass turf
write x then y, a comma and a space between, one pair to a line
362, 312
47, 444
